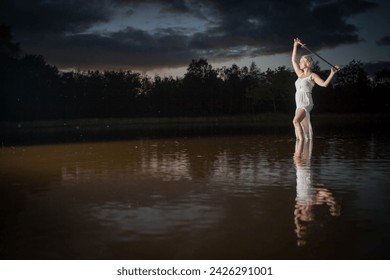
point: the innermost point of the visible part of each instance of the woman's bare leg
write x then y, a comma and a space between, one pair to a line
305, 127
300, 114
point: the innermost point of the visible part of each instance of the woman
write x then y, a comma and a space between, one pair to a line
304, 85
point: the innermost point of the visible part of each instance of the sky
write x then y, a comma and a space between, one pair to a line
162, 37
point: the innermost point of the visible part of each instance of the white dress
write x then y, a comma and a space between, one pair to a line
304, 100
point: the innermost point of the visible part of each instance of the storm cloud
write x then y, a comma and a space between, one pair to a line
64, 32
384, 41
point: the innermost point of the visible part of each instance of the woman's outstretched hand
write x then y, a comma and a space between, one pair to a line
335, 69
297, 42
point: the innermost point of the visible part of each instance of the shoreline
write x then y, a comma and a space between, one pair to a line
95, 129
276, 118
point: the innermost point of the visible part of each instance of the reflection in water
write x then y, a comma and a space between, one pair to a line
196, 198
308, 197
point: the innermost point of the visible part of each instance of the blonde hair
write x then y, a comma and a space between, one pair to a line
309, 60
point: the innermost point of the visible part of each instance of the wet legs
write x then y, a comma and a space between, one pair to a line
298, 122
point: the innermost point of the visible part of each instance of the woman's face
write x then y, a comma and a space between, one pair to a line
303, 63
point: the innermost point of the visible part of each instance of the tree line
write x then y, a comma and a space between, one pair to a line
30, 89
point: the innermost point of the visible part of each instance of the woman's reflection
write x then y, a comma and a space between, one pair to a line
307, 196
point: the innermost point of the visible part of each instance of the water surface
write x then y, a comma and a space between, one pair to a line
215, 197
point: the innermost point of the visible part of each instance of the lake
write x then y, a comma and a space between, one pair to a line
256, 196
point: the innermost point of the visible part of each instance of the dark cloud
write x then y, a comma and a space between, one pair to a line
384, 41
270, 25
374, 67
57, 29
56, 16
177, 6
118, 50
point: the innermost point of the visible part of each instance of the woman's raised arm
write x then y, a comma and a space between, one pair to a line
295, 64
